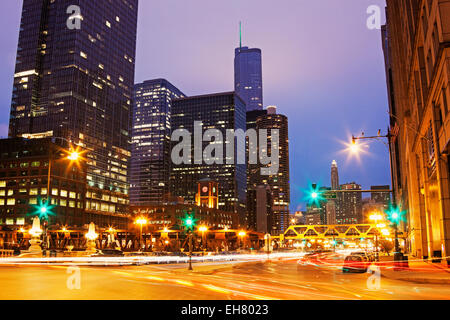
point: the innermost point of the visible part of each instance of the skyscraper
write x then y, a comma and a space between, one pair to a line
333, 209
248, 76
351, 205
279, 183
76, 83
220, 111
150, 149
334, 176
380, 197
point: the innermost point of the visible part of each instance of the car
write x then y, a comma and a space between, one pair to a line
108, 253
356, 262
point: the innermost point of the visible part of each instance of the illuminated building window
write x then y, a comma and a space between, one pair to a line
9, 221
54, 192
11, 202
20, 221
63, 202
33, 201
34, 192
43, 191
63, 193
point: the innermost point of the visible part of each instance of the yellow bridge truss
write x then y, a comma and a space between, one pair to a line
339, 231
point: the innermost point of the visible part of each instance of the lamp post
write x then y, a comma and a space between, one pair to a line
354, 148
242, 235
73, 155
141, 222
203, 229
375, 218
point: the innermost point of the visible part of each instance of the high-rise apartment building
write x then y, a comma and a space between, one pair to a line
416, 44
220, 111
279, 183
76, 83
248, 77
150, 149
350, 204
380, 195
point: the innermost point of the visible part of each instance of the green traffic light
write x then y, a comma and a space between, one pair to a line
395, 215
43, 209
315, 194
189, 221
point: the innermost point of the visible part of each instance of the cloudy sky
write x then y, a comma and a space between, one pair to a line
322, 67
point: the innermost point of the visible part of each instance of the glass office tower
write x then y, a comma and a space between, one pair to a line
150, 150
248, 77
76, 83
216, 111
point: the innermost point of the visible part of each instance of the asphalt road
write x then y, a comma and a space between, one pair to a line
269, 280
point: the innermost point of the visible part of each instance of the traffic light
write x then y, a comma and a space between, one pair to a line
44, 209
189, 221
315, 194
394, 215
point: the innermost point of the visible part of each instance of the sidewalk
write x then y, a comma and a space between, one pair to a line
418, 272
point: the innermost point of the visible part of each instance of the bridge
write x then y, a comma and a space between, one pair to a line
339, 231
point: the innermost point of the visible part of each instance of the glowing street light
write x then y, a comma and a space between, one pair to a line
73, 156
141, 221
376, 217
242, 234
203, 229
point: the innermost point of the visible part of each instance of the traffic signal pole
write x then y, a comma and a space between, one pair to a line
190, 251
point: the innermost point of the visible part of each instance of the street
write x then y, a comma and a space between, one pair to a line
253, 281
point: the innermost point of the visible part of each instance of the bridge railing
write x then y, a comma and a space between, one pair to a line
340, 231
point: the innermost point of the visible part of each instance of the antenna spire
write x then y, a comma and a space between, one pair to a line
240, 35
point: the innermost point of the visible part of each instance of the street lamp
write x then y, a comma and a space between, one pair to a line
203, 229
394, 215
375, 218
73, 156
242, 234
141, 221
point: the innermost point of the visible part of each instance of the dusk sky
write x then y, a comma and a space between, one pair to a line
322, 67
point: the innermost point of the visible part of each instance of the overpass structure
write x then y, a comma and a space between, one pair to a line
340, 231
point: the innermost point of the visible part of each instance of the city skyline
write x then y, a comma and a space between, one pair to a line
289, 66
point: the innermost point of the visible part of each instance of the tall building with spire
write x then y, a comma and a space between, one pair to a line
248, 75
334, 176
334, 206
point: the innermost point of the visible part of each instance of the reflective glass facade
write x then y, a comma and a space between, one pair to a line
248, 77
150, 150
77, 84
216, 111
